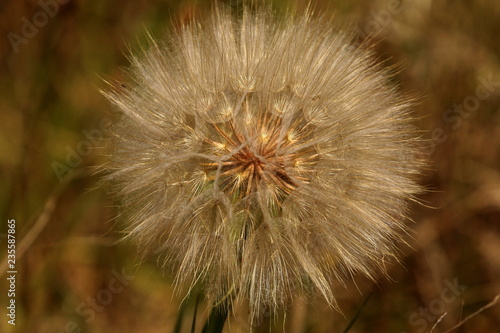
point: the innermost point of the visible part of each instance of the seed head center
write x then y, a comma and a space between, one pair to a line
257, 161
248, 162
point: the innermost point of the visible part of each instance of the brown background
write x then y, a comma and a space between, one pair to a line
49, 89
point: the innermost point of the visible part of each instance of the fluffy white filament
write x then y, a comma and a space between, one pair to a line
263, 157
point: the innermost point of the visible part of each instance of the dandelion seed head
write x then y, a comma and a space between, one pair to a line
260, 158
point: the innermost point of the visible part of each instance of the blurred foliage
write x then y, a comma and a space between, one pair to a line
50, 100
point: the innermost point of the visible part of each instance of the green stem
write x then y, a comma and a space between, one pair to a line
216, 320
356, 316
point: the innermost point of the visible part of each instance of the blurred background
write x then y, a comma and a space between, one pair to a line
73, 275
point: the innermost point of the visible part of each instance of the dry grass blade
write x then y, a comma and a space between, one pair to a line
41, 221
437, 322
487, 306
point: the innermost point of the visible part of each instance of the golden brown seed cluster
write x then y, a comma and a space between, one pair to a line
261, 160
